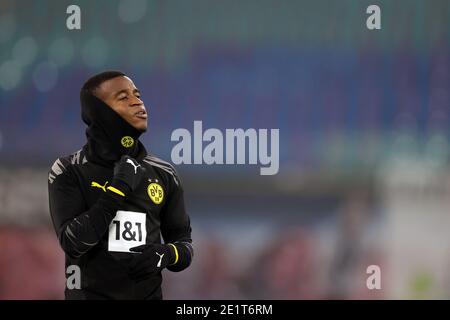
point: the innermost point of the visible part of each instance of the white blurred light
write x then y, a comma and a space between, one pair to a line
7, 27
61, 51
95, 52
10, 74
45, 76
25, 51
131, 11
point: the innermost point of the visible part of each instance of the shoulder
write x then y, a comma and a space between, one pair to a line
163, 166
63, 164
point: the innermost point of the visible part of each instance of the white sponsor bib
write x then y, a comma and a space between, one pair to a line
127, 230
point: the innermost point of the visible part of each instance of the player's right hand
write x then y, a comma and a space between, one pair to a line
151, 259
128, 171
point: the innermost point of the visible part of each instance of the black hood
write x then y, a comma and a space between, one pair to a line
109, 136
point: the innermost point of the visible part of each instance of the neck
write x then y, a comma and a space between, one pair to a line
104, 152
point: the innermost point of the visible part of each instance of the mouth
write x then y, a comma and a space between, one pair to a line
141, 114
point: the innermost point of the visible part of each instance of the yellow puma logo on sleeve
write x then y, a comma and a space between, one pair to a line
98, 185
104, 188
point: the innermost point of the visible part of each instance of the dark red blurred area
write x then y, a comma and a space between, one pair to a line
31, 265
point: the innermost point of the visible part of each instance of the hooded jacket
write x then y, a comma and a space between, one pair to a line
96, 228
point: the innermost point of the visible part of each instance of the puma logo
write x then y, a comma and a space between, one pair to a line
98, 185
160, 259
132, 163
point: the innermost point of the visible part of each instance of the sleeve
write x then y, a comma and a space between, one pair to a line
176, 227
78, 228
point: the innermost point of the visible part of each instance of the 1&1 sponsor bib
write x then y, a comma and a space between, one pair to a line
127, 230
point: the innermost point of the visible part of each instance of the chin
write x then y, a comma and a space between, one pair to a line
140, 125
142, 128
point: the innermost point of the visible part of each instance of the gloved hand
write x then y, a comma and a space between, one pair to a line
151, 259
127, 174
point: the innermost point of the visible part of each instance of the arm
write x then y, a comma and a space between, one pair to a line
78, 229
176, 230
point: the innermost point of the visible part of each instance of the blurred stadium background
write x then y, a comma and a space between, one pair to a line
364, 138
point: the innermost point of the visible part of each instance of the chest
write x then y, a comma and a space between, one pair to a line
149, 197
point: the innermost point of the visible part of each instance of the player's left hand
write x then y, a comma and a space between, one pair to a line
152, 258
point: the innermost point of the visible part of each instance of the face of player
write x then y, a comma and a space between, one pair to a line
123, 97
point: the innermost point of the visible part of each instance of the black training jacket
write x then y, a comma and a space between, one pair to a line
96, 228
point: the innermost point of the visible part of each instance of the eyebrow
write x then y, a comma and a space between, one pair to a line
125, 91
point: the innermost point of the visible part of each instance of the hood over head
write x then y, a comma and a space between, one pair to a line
109, 136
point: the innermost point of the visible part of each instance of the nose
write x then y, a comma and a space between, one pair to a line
136, 101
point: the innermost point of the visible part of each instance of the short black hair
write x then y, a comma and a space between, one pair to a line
95, 81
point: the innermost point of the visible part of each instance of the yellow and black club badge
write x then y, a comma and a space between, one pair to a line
155, 192
127, 141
